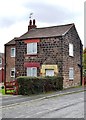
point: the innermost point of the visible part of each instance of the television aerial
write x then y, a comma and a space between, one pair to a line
30, 16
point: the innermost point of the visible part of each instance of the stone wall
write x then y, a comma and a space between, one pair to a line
53, 51
69, 61
20, 56
48, 52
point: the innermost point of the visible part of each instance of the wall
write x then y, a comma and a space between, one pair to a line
2, 68
10, 62
1, 75
68, 61
49, 53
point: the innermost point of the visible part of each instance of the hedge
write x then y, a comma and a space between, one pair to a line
36, 85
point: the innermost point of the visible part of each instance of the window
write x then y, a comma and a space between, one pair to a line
70, 49
0, 60
12, 52
12, 72
32, 71
71, 73
32, 48
49, 72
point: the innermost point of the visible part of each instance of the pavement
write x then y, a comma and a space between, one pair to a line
61, 92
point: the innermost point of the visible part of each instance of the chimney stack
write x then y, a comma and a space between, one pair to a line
31, 26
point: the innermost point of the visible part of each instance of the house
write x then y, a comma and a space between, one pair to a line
47, 51
1, 67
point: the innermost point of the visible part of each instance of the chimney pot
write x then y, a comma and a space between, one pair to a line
33, 21
30, 22
31, 26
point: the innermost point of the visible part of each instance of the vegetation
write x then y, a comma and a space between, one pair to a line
2, 91
84, 62
36, 85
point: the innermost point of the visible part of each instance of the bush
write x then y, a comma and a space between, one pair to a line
36, 85
2, 87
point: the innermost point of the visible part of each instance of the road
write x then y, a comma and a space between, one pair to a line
63, 106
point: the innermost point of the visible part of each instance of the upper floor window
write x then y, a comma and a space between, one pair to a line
12, 52
32, 48
70, 49
0, 60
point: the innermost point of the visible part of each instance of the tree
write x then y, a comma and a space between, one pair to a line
84, 61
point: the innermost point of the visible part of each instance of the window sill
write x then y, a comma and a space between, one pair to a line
71, 56
71, 79
30, 55
12, 56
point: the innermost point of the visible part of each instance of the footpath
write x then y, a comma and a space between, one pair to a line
59, 93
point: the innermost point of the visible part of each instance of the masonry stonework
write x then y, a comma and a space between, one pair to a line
52, 50
69, 61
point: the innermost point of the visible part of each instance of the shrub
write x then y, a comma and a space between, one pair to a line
2, 87
36, 85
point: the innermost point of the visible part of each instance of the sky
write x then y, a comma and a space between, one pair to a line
14, 16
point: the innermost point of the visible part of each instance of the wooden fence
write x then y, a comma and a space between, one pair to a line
11, 87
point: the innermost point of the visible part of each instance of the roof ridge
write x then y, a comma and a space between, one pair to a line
55, 26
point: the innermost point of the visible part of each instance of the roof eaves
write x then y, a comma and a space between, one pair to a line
68, 29
39, 37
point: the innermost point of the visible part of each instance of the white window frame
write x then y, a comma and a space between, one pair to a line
13, 54
48, 70
32, 48
71, 53
12, 69
0, 61
30, 71
71, 73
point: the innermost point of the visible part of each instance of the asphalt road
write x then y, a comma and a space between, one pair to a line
16, 99
64, 106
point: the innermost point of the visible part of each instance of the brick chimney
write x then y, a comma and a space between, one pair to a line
31, 26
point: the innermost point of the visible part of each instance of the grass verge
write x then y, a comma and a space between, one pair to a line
2, 91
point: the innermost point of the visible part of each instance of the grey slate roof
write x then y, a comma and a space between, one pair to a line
11, 42
47, 31
52, 31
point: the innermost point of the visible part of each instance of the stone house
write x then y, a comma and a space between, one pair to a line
1, 67
47, 51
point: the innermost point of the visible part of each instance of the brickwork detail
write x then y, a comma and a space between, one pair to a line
53, 51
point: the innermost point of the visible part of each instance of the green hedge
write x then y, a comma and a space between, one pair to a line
36, 85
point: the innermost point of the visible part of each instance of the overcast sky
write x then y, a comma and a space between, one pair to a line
14, 16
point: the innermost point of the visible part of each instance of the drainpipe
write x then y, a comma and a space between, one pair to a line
5, 67
2, 67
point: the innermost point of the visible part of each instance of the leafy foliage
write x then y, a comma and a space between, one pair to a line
36, 85
84, 62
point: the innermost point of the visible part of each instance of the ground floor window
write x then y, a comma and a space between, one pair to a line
71, 73
49, 72
12, 72
32, 71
